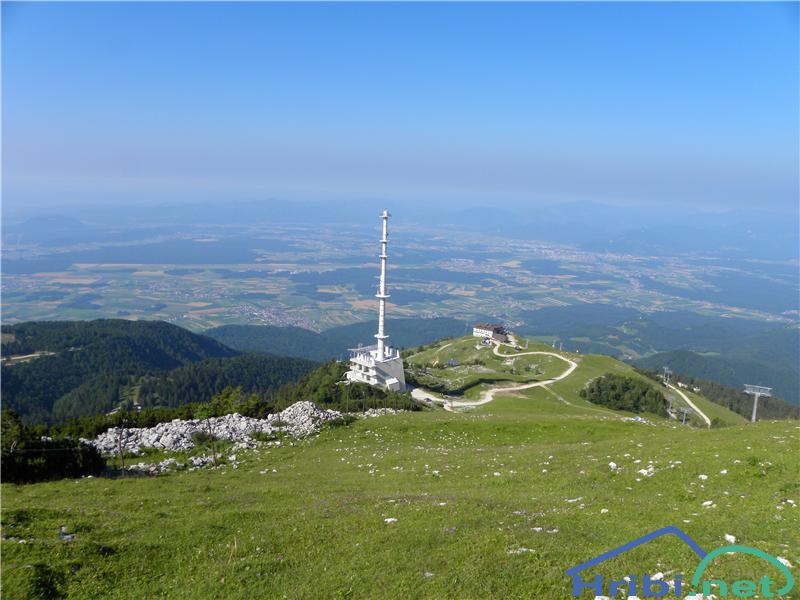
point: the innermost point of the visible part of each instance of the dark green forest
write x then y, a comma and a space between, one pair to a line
26, 456
741, 403
52, 451
149, 370
162, 344
625, 393
99, 365
195, 382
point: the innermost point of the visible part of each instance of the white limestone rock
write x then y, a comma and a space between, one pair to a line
299, 420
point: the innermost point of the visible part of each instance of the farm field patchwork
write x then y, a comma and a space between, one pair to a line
326, 277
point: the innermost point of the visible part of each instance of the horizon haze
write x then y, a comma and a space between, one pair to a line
651, 105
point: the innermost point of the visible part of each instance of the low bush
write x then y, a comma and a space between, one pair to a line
27, 457
263, 436
201, 438
342, 421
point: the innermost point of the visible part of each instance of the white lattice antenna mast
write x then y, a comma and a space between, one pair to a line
382, 295
757, 391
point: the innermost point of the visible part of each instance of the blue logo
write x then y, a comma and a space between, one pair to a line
649, 586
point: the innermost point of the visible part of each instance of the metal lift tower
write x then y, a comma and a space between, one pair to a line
757, 391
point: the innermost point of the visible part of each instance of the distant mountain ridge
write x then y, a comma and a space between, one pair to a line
334, 342
93, 366
731, 371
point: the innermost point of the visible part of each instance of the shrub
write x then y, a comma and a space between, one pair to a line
27, 457
342, 421
202, 438
263, 436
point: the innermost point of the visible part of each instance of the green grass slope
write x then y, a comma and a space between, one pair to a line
478, 368
714, 411
493, 503
464, 366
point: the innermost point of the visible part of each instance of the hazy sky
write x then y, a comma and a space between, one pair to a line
113, 102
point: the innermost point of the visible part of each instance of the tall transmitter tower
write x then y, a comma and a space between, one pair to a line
379, 365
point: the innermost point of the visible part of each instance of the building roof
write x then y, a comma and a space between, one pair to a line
490, 326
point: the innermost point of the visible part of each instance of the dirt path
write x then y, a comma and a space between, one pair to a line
691, 404
488, 395
443, 347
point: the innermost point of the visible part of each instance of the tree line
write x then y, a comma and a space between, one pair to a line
734, 399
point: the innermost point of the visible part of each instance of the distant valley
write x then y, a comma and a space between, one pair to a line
204, 269
291, 285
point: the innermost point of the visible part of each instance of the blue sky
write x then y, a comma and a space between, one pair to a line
683, 103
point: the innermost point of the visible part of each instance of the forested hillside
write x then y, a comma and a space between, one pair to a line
730, 370
734, 399
98, 365
195, 382
334, 342
155, 342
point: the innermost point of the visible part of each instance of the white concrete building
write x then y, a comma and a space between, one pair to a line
488, 330
379, 365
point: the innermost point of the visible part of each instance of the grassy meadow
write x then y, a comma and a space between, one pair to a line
466, 367
497, 502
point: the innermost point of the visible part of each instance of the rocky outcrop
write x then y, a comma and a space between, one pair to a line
170, 465
298, 420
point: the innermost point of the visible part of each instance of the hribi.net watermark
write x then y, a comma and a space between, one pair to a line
645, 585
